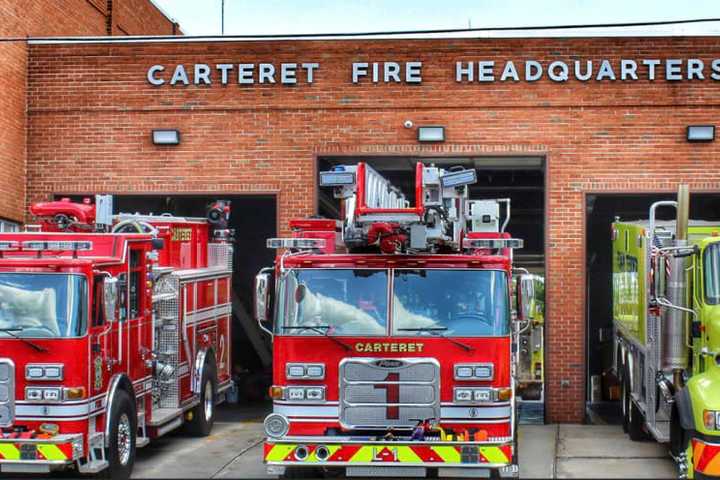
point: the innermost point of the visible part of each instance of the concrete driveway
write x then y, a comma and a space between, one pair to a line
234, 450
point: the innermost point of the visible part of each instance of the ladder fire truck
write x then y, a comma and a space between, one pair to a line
393, 333
666, 308
113, 330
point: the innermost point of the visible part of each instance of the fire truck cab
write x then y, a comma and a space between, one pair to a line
113, 331
393, 333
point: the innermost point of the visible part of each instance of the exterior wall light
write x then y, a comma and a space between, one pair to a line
166, 137
431, 133
701, 133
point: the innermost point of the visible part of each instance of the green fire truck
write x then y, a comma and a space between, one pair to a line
666, 309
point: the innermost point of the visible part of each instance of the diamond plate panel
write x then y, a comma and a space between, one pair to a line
166, 324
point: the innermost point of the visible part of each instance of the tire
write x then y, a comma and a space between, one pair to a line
636, 422
203, 415
123, 435
679, 437
625, 400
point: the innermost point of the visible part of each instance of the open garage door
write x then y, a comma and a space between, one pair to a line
522, 180
602, 389
254, 219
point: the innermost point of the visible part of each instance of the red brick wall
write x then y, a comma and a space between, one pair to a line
47, 18
91, 113
140, 17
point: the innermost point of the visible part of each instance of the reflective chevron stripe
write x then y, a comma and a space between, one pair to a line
392, 453
706, 457
44, 451
8, 451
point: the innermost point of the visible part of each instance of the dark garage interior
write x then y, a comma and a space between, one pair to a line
601, 211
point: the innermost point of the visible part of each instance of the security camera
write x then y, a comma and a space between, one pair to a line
408, 124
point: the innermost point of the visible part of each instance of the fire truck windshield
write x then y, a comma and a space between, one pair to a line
40, 305
354, 302
459, 303
341, 302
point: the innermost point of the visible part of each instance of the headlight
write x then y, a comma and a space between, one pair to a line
44, 372
315, 394
482, 395
51, 394
474, 371
34, 373
462, 395
710, 419
276, 425
311, 371
302, 394
37, 394
295, 371
316, 371
295, 393
33, 394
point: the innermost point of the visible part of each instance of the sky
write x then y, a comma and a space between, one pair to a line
257, 17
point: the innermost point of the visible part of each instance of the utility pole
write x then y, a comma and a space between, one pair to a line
222, 17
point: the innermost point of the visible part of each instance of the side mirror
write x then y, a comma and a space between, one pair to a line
526, 297
263, 282
110, 296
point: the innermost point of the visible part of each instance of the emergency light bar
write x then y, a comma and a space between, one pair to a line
336, 178
38, 245
459, 178
297, 243
9, 246
492, 243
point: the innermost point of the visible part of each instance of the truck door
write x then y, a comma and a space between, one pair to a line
706, 297
102, 348
139, 315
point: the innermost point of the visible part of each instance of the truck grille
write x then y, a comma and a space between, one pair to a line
7, 392
383, 392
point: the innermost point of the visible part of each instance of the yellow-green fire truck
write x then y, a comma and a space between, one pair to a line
666, 309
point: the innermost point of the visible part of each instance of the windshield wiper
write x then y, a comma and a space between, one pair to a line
467, 347
10, 331
323, 330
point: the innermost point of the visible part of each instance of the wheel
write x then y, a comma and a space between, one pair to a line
679, 437
203, 415
625, 400
123, 432
636, 422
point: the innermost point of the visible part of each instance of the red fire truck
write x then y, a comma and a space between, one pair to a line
113, 330
393, 333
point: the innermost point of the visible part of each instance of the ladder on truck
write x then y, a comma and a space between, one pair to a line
441, 217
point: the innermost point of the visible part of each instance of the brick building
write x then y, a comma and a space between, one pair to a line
572, 143
21, 19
